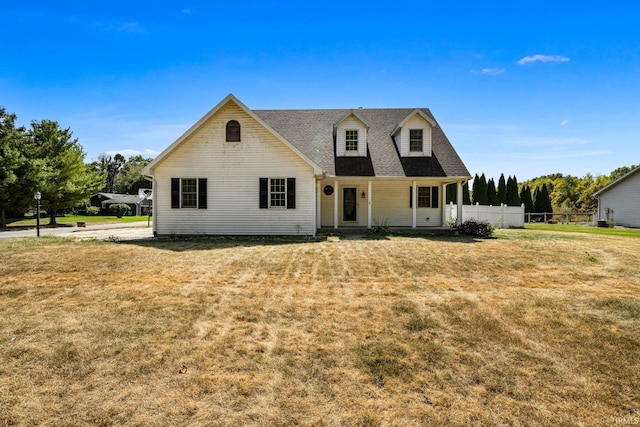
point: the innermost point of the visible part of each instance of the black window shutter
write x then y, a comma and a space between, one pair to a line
264, 193
434, 197
291, 193
175, 192
202, 193
411, 197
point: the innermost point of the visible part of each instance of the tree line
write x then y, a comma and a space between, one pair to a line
46, 158
122, 175
548, 193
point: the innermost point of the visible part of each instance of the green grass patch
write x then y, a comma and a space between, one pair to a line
570, 228
73, 219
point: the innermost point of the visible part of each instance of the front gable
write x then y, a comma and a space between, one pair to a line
214, 128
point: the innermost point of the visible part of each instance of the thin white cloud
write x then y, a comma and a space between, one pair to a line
129, 27
564, 122
489, 71
543, 58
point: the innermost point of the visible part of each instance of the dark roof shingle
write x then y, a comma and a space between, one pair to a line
311, 132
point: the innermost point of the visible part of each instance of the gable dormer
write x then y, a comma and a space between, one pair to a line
413, 135
351, 136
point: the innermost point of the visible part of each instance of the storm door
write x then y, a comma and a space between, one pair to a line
349, 199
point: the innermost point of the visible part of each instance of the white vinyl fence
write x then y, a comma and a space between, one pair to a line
499, 216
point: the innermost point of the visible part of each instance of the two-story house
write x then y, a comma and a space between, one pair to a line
239, 171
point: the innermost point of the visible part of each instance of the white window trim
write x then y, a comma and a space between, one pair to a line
182, 206
421, 150
346, 142
269, 200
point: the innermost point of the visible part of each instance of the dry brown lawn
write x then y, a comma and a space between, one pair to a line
531, 328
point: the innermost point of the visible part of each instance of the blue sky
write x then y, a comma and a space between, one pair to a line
524, 88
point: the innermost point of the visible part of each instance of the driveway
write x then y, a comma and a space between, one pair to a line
129, 231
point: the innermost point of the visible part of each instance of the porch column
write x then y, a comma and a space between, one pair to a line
318, 206
336, 199
154, 205
368, 204
459, 203
414, 203
443, 214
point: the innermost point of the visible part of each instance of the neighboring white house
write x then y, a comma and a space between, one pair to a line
620, 201
251, 172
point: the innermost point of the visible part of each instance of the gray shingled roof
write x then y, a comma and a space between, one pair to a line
112, 198
311, 132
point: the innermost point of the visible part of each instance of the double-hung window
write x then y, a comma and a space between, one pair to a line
277, 193
415, 140
427, 197
351, 140
189, 193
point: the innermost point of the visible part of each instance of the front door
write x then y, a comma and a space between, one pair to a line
349, 199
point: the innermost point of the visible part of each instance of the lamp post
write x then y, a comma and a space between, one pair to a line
37, 196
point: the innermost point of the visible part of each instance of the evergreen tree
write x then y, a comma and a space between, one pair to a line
452, 193
475, 191
546, 200
11, 162
480, 190
466, 197
526, 199
513, 198
537, 200
501, 197
491, 193
541, 200
65, 180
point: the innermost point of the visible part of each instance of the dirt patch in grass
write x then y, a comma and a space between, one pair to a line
520, 330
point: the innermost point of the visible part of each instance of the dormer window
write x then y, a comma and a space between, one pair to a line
351, 140
350, 134
233, 131
413, 135
415, 140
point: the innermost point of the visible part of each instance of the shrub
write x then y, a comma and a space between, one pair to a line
119, 209
93, 210
471, 227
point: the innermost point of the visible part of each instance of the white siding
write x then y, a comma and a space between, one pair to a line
622, 202
402, 138
233, 170
351, 123
390, 204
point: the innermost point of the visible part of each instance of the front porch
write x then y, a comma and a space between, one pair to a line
401, 204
